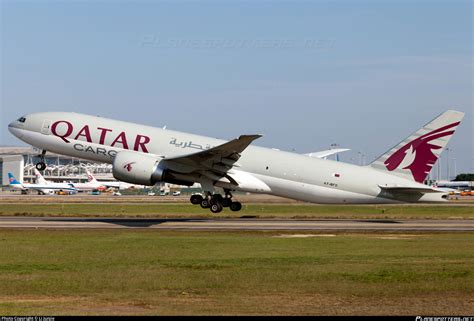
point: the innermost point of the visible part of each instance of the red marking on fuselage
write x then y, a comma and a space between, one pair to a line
84, 132
102, 134
64, 130
122, 139
141, 144
68, 132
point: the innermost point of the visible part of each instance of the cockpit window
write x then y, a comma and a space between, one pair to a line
22, 119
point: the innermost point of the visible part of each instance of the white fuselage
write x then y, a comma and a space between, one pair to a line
87, 186
49, 188
286, 174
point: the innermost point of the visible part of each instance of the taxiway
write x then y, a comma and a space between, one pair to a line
237, 224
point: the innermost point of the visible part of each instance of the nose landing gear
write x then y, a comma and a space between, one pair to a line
216, 202
41, 165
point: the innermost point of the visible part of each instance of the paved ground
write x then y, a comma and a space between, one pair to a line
237, 224
16, 198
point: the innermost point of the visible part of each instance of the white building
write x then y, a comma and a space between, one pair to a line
20, 161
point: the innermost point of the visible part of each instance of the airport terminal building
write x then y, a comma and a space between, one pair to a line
20, 161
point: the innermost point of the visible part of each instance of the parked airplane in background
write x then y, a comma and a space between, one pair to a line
43, 187
39, 179
146, 155
61, 186
455, 184
450, 191
325, 153
107, 184
78, 186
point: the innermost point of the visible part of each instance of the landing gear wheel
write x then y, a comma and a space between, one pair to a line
196, 199
226, 202
216, 208
205, 203
235, 206
216, 198
41, 166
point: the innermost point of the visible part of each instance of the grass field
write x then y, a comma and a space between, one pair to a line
150, 272
257, 210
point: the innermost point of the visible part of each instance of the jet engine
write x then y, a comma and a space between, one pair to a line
137, 168
144, 169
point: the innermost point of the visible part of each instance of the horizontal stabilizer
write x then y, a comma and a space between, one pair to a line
409, 189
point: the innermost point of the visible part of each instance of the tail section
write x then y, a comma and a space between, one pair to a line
12, 180
415, 156
39, 178
91, 178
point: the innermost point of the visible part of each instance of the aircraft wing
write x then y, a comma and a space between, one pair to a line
326, 153
410, 189
225, 155
215, 163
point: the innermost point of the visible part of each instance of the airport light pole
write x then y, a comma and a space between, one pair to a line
455, 168
334, 146
361, 158
437, 169
447, 163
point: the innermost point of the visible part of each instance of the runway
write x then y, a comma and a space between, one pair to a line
226, 224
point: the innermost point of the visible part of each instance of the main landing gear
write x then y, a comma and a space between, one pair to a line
216, 202
41, 165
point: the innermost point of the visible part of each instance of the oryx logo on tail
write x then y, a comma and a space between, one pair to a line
418, 155
415, 156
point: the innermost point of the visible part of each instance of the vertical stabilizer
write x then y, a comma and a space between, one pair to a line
12, 180
415, 156
39, 178
91, 178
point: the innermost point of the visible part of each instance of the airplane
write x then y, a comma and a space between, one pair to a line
88, 186
454, 184
43, 187
106, 184
77, 186
147, 155
61, 186
450, 191
325, 153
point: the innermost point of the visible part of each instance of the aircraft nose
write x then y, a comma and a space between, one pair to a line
14, 128
11, 125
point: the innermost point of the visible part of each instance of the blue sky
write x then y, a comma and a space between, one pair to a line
363, 74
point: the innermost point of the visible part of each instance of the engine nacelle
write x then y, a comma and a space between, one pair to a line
137, 168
